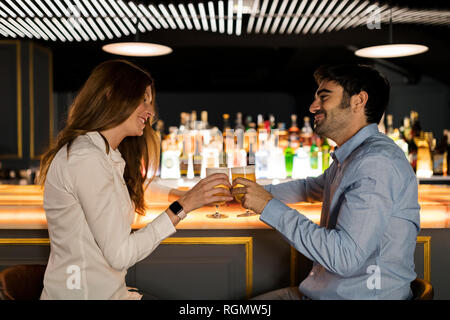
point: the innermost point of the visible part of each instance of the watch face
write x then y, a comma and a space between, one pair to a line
176, 207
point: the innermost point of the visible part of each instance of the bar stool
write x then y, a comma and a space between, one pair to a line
22, 282
422, 290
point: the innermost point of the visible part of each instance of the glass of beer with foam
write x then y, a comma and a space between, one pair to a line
210, 171
247, 172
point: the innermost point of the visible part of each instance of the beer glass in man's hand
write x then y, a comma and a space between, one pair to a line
248, 173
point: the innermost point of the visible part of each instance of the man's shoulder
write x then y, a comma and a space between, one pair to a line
382, 147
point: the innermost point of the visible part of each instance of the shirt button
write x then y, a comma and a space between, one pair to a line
311, 274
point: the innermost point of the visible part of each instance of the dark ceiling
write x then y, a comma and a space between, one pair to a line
205, 61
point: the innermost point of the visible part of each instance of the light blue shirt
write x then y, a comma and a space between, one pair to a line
364, 246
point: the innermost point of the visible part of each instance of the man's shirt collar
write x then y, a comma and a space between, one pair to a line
341, 153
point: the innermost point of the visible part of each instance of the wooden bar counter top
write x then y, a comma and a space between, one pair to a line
21, 207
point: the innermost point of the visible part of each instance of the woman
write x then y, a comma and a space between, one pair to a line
94, 183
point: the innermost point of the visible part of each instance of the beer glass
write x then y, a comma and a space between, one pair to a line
210, 171
248, 173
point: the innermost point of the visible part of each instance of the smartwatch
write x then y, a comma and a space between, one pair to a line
177, 209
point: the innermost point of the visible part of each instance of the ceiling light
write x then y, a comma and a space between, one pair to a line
391, 51
137, 49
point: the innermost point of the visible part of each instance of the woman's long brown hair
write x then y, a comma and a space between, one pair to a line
110, 95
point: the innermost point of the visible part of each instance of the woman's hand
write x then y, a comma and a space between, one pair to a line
175, 194
204, 193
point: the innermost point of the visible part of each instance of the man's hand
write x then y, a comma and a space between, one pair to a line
255, 196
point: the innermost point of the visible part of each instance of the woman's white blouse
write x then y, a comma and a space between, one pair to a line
89, 214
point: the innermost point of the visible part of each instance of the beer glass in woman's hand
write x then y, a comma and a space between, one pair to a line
211, 171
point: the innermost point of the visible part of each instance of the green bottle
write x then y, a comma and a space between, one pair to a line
314, 155
325, 154
289, 159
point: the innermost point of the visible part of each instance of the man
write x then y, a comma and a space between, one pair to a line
364, 246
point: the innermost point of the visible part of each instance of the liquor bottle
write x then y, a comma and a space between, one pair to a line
190, 170
415, 124
381, 126
276, 163
193, 120
325, 154
240, 155
409, 138
301, 167
226, 122
262, 156
389, 126
424, 165
267, 123
272, 121
260, 122
400, 142
440, 156
294, 133
198, 148
407, 131
284, 135
447, 161
204, 118
289, 159
170, 161
211, 150
229, 147
248, 120
250, 144
184, 154
314, 156
183, 121
159, 128
307, 133
238, 122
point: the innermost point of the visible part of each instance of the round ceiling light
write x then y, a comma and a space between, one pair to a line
136, 49
391, 51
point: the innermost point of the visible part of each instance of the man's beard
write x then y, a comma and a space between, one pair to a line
325, 129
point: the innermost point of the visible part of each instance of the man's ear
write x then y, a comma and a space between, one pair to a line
358, 101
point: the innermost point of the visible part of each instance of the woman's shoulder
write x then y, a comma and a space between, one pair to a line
81, 147
84, 145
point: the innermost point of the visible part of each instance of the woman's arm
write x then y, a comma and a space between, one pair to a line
95, 186
175, 194
160, 193
97, 190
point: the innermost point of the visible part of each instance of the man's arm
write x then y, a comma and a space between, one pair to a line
365, 210
309, 190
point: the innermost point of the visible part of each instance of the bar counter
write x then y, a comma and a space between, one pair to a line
231, 258
21, 207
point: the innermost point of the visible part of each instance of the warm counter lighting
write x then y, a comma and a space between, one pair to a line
21, 208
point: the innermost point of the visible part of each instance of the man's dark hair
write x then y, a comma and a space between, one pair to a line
357, 78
